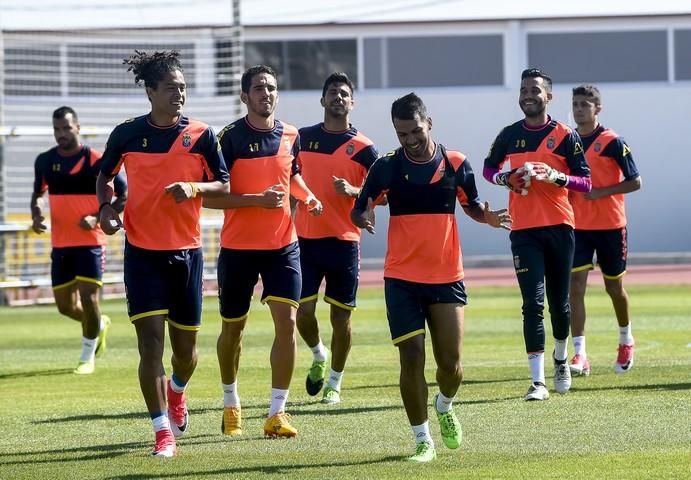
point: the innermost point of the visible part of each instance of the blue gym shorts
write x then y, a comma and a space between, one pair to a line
239, 271
609, 245
165, 282
338, 262
407, 304
77, 264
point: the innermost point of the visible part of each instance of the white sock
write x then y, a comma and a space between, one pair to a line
161, 423
319, 352
335, 379
230, 394
625, 336
444, 403
421, 433
560, 349
537, 367
88, 349
278, 401
579, 346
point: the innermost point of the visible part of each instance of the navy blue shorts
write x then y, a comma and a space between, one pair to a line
337, 261
610, 247
238, 273
77, 264
165, 282
407, 304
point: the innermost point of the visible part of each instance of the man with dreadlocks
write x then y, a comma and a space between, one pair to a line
171, 162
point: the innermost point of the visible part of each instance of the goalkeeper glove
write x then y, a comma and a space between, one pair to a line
545, 173
516, 180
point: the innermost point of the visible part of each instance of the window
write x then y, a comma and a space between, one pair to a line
304, 64
638, 56
682, 54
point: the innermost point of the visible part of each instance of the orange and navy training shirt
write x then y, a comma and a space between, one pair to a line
71, 185
423, 242
154, 157
555, 144
258, 159
324, 155
610, 161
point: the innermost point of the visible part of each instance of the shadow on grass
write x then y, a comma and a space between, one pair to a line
434, 384
265, 469
37, 373
652, 386
93, 452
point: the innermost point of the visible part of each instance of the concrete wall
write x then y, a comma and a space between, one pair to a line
652, 117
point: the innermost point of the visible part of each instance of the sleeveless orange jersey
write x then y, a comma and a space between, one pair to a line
423, 242
258, 159
153, 158
610, 161
71, 185
323, 155
558, 146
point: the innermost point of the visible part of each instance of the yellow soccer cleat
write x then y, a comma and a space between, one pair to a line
101, 344
232, 421
279, 425
85, 367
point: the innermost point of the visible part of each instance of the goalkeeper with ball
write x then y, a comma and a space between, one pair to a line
545, 160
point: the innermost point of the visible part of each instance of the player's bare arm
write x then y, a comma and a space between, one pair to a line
272, 197
37, 217
342, 187
627, 186
482, 213
108, 217
300, 192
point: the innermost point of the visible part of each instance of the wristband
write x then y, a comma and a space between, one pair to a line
194, 188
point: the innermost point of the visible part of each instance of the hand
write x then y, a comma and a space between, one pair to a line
368, 216
497, 218
88, 222
342, 187
272, 197
314, 206
109, 220
545, 173
517, 180
181, 191
38, 226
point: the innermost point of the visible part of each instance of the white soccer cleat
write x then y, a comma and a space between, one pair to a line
536, 391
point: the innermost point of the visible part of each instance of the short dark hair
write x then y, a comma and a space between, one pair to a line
537, 73
152, 67
250, 73
406, 107
590, 91
337, 77
62, 112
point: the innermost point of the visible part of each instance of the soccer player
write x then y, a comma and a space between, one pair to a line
601, 226
546, 160
172, 162
258, 238
335, 158
68, 171
423, 271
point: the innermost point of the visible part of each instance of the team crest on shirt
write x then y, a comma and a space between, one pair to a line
550, 142
597, 147
186, 139
350, 149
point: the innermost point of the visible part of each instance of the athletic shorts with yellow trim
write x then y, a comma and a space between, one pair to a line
407, 304
72, 264
239, 271
165, 282
334, 260
610, 247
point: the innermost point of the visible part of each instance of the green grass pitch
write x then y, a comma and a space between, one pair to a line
56, 425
